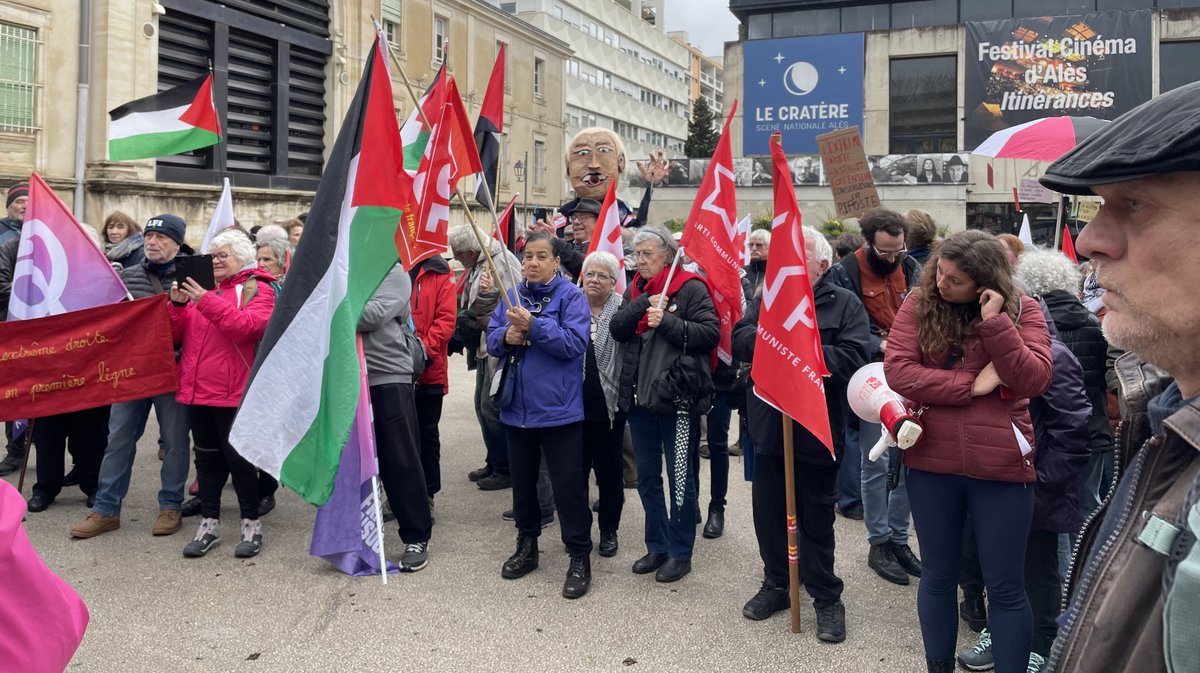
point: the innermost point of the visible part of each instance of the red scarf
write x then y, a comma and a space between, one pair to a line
655, 286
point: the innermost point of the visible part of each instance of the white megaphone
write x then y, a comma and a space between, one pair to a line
873, 401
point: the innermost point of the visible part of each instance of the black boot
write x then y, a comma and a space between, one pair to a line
936, 666
715, 526
12, 460
523, 561
972, 609
579, 577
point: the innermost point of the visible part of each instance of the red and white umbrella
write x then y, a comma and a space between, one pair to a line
1041, 139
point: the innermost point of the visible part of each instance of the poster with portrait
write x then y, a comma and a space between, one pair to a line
806, 171
1018, 70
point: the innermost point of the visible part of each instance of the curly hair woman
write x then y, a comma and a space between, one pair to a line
972, 350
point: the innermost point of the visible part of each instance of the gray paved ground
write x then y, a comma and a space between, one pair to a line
154, 610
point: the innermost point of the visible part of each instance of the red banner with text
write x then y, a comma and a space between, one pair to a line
84, 359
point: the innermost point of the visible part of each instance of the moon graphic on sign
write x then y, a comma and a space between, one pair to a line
800, 78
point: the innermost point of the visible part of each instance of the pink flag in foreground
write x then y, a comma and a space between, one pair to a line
59, 266
607, 236
709, 238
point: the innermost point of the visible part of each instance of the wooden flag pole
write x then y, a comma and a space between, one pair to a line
662, 297
483, 246
789, 478
25, 458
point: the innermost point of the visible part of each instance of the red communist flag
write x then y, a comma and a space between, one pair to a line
709, 238
1068, 245
450, 155
789, 367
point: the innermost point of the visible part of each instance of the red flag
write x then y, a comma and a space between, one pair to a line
488, 130
1068, 245
709, 238
607, 236
450, 155
788, 363
505, 222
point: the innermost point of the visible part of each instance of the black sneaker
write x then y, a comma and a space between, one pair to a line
190, 507
494, 482
831, 623
11, 463
855, 513
71, 478
208, 535
508, 515
476, 475
880, 560
906, 558
416, 557
266, 504
252, 538
771, 598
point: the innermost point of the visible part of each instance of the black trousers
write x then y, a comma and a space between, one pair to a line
267, 485
816, 494
602, 445
429, 415
1043, 581
217, 461
85, 433
398, 445
562, 448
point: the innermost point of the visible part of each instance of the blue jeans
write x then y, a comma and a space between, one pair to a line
849, 479
1096, 481
718, 448
885, 513
126, 424
494, 438
1001, 514
654, 437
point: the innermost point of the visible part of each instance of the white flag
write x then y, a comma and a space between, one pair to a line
1026, 235
222, 218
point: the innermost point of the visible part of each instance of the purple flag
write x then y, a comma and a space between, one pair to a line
345, 532
60, 267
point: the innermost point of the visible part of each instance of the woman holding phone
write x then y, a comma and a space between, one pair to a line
971, 350
218, 330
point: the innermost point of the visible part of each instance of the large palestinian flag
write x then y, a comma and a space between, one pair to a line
298, 407
174, 121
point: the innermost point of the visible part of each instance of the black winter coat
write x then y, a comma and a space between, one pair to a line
756, 271
845, 332
1060, 425
1080, 330
137, 279
694, 316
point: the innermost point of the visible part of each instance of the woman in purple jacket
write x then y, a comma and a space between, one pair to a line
541, 342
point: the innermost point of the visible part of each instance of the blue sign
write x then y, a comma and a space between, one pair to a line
801, 87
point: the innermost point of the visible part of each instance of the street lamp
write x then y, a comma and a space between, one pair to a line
522, 170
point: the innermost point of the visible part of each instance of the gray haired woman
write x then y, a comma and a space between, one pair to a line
669, 332
603, 419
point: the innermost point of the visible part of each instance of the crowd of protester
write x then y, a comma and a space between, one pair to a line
998, 346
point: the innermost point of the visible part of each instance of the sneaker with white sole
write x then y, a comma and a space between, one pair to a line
979, 657
1036, 663
416, 557
208, 535
252, 537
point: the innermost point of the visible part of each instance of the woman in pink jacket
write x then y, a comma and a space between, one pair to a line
219, 330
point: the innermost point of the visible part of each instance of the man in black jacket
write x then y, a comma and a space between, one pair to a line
164, 242
842, 322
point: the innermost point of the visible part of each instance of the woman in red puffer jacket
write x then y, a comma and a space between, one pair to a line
971, 349
218, 330
434, 310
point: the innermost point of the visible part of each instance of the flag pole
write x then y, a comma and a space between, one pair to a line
379, 520
662, 298
789, 487
458, 189
1058, 225
25, 458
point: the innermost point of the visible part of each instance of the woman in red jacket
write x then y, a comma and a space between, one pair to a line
219, 330
434, 310
971, 349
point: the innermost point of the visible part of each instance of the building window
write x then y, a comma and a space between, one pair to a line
269, 88
18, 51
1030, 8
760, 26
923, 101
924, 13
985, 10
441, 33
868, 17
1178, 64
539, 77
391, 10
807, 22
539, 165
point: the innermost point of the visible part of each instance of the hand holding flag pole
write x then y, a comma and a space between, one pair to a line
462, 199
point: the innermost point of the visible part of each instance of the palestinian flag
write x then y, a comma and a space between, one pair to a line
488, 129
298, 407
172, 122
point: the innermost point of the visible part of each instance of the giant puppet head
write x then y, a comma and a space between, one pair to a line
594, 156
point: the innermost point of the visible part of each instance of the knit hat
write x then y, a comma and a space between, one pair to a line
15, 192
171, 226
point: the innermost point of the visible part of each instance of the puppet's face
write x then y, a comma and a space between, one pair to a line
593, 160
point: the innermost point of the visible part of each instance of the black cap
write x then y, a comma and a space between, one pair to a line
582, 205
1159, 136
171, 226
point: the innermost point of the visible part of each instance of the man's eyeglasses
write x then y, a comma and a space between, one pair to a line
581, 218
889, 253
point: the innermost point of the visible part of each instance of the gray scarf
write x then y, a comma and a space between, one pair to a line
605, 348
127, 245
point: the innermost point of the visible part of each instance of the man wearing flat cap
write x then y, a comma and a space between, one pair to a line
1135, 580
583, 215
